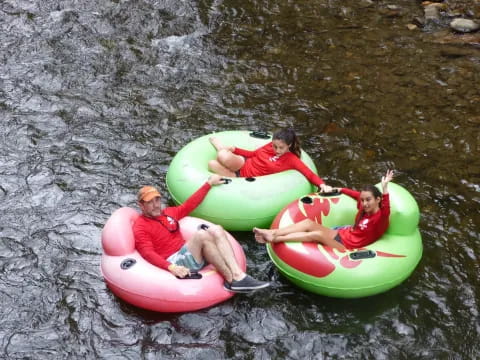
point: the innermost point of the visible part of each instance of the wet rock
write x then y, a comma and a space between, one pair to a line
418, 21
432, 13
464, 25
445, 37
438, 5
454, 52
393, 7
260, 327
391, 11
366, 3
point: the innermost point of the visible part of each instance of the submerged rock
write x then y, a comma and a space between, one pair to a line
464, 25
446, 37
432, 11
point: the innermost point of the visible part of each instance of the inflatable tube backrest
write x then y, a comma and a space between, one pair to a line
342, 212
188, 226
117, 234
404, 211
330, 211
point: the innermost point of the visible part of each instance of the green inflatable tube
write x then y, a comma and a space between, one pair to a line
351, 274
243, 203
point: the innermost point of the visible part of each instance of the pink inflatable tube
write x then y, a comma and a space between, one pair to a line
142, 284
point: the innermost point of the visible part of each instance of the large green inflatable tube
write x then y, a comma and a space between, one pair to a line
244, 202
351, 274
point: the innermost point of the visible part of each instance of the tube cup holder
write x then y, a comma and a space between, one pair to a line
127, 264
250, 179
306, 200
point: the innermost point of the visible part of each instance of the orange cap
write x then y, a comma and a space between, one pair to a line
147, 193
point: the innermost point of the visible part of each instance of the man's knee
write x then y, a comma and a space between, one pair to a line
216, 231
210, 235
200, 237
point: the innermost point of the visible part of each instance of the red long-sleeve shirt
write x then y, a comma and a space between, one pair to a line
263, 161
369, 228
153, 240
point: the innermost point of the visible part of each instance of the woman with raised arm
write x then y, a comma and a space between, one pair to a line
371, 222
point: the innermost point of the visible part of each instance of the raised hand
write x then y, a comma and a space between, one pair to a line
386, 179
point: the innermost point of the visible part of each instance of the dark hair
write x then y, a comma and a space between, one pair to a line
290, 138
376, 194
373, 189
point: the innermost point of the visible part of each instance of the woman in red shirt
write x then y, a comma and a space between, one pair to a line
371, 222
283, 153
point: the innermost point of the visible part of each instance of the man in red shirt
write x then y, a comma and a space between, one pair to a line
159, 241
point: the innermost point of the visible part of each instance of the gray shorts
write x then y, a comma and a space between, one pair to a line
338, 237
183, 257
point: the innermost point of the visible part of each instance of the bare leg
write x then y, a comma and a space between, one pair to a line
213, 256
214, 246
304, 231
324, 236
226, 251
303, 226
217, 144
202, 246
219, 169
230, 160
225, 158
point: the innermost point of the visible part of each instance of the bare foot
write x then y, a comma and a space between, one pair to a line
217, 144
259, 238
267, 235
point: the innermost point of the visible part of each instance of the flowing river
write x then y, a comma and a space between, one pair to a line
96, 97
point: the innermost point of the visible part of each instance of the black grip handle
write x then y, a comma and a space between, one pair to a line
260, 134
193, 275
331, 193
362, 254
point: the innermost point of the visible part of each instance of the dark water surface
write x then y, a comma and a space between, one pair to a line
97, 97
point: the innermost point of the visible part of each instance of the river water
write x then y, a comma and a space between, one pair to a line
97, 97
